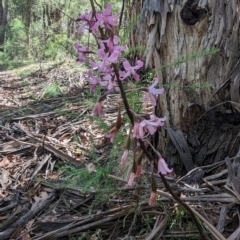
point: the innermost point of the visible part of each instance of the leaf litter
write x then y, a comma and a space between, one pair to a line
41, 138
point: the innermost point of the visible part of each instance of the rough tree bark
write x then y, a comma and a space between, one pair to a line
28, 17
173, 30
3, 20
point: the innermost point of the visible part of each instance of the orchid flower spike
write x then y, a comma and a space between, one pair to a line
152, 92
98, 109
130, 70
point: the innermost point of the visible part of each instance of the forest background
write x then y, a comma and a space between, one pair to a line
36, 31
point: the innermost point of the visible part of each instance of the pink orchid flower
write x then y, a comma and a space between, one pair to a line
101, 66
151, 92
152, 124
153, 198
110, 82
112, 54
98, 109
130, 70
163, 167
149, 126
103, 55
111, 134
131, 180
139, 171
138, 131
82, 51
106, 18
85, 16
89, 22
124, 157
112, 44
93, 80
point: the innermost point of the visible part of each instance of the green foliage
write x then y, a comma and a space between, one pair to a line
191, 57
41, 31
15, 46
97, 181
92, 98
134, 97
77, 238
179, 218
126, 30
52, 90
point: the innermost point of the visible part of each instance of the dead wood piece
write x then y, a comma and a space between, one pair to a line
181, 144
33, 116
222, 218
214, 176
40, 165
158, 230
210, 227
4, 209
27, 217
234, 87
216, 234
213, 183
8, 222
234, 193
27, 164
211, 166
223, 198
181, 234
233, 174
14, 147
52, 149
235, 235
49, 226
73, 228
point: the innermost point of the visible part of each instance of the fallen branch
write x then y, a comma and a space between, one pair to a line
5, 235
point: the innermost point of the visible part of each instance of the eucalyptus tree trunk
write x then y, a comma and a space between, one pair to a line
180, 37
28, 18
3, 20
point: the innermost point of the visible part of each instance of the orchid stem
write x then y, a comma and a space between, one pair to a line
130, 115
123, 94
203, 237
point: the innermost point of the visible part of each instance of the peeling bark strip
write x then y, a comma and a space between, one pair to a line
182, 147
191, 14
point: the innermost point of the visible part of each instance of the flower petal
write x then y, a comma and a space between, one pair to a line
124, 157
153, 198
163, 167
131, 180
